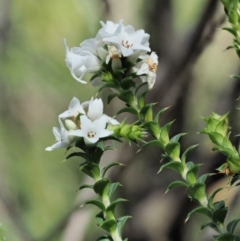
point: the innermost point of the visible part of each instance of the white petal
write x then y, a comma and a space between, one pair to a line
95, 109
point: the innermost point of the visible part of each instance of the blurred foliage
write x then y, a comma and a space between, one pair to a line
35, 86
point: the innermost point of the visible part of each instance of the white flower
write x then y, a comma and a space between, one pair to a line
108, 29
63, 137
147, 68
92, 131
74, 108
95, 111
128, 40
80, 62
114, 54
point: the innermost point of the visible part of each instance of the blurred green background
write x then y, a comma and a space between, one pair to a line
37, 190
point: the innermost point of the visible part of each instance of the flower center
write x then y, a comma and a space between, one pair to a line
151, 65
126, 44
91, 134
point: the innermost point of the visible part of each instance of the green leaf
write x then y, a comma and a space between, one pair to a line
86, 186
96, 202
152, 143
232, 225
105, 238
113, 187
153, 128
91, 169
173, 165
111, 97
105, 169
160, 113
121, 222
191, 175
176, 184
203, 178
197, 191
164, 136
184, 155
177, 137
173, 150
130, 110
126, 96
100, 218
211, 197
109, 225
219, 215
108, 85
225, 237
110, 209
199, 210
211, 225
230, 30
102, 187
139, 86
146, 112
79, 154
127, 82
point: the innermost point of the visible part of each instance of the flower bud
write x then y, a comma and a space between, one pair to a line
70, 125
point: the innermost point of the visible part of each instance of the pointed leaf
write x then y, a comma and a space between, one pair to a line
173, 165
184, 155
232, 225
211, 225
191, 175
79, 154
110, 209
130, 110
105, 169
86, 186
91, 169
199, 210
173, 150
112, 189
198, 192
121, 222
177, 137
111, 97
176, 184
96, 202
159, 113
109, 225
105, 238
99, 218
211, 197
102, 187
225, 237
203, 178
152, 143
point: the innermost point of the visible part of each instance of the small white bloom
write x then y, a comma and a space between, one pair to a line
63, 138
74, 108
80, 62
95, 111
114, 54
92, 131
108, 29
147, 68
128, 40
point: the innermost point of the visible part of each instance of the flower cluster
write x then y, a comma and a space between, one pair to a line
112, 47
76, 122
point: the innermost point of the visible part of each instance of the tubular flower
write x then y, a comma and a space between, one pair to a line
92, 131
128, 40
147, 68
95, 111
63, 138
80, 62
